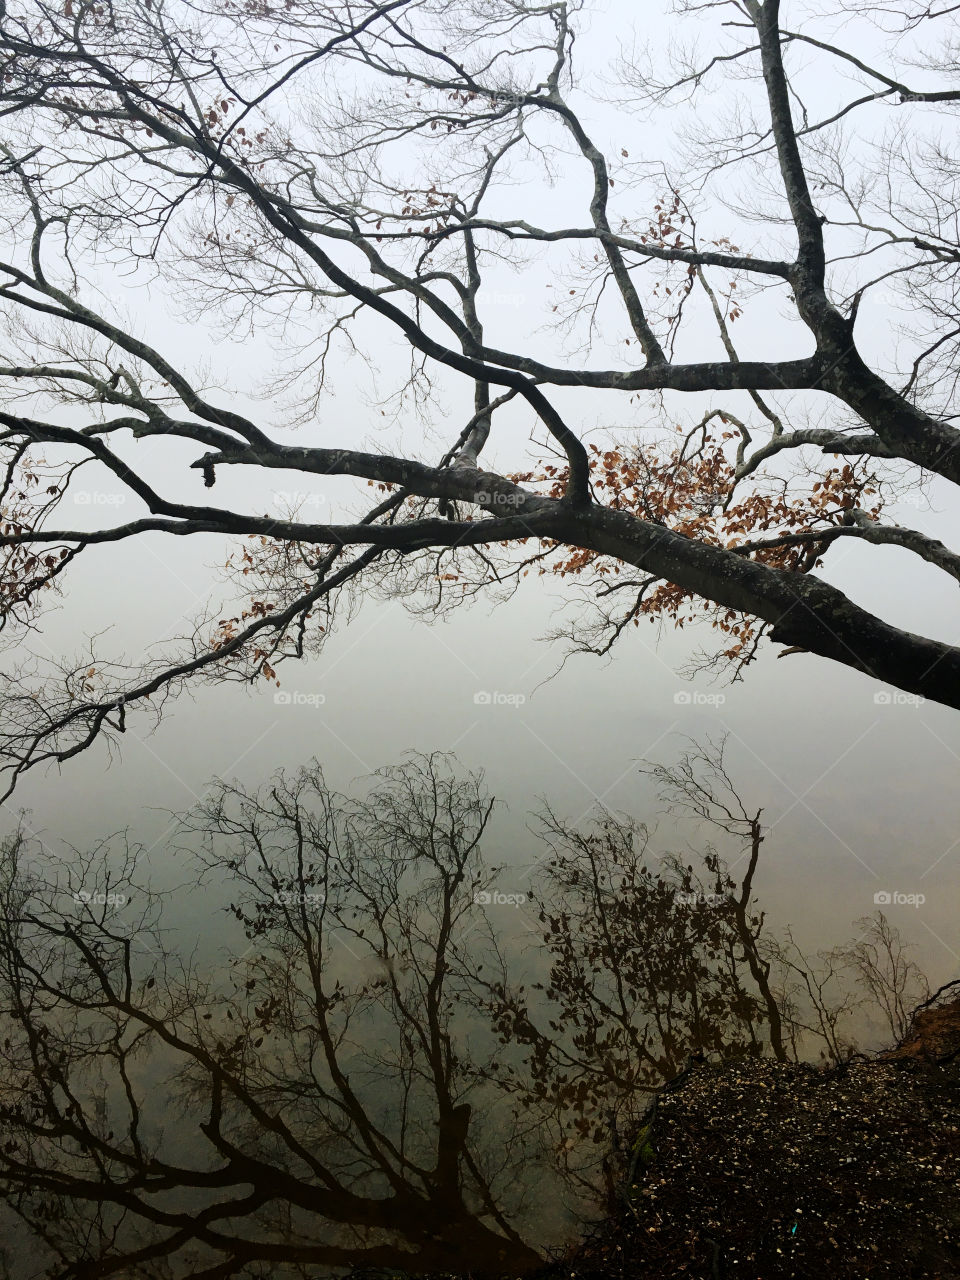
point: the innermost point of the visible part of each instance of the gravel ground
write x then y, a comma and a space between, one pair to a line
765, 1170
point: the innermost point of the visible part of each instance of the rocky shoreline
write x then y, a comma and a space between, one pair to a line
761, 1170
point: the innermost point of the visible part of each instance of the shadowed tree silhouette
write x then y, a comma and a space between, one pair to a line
320, 1088
375, 1075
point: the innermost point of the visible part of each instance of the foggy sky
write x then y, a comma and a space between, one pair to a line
860, 795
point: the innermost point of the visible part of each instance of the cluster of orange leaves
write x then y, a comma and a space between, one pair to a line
228, 628
695, 496
272, 561
690, 490
668, 230
21, 571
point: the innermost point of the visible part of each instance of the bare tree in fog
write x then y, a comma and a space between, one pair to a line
883, 967
815, 997
818, 995
342, 176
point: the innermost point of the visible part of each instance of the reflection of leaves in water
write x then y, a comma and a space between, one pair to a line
367, 1082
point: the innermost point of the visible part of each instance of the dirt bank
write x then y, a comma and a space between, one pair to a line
765, 1170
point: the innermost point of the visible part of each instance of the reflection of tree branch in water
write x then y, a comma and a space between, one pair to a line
368, 1085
